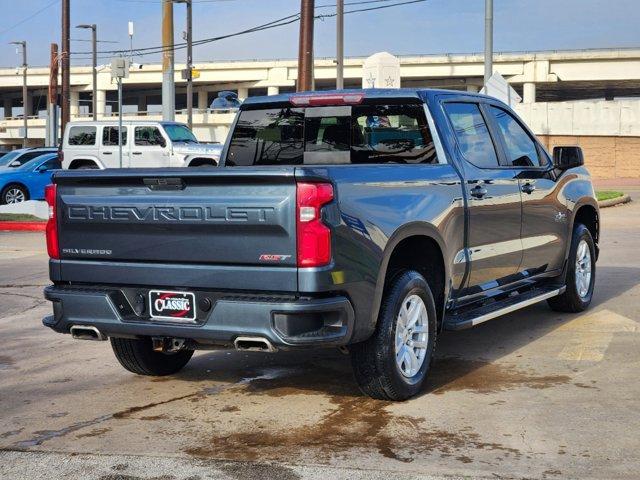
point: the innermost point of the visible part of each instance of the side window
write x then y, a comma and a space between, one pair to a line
391, 134
82, 136
53, 164
24, 158
110, 136
148, 137
472, 134
521, 149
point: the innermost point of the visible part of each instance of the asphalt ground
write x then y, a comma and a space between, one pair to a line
535, 394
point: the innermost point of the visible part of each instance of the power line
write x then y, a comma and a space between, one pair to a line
26, 19
273, 24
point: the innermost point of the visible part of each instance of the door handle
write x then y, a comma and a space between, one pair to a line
137, 153
528, 188
478, 191
107, 153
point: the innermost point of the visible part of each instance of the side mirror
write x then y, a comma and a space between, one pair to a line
565, 158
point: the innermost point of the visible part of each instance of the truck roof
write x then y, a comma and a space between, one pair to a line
369, 93
124, 122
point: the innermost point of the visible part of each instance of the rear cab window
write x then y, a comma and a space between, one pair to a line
336, 135
82, 135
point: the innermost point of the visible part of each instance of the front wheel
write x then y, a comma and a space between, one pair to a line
581, 273
393, 363
14, 194
137, 356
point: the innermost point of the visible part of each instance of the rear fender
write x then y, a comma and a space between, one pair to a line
404, 232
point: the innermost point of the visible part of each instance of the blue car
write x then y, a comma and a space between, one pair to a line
18, 157
27, 182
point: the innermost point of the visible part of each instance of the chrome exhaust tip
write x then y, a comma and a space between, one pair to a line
254, 344
87, 332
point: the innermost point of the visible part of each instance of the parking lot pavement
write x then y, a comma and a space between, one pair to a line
535, 394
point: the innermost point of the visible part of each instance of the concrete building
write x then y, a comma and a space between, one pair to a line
588, 97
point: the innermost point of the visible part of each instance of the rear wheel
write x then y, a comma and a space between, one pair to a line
14, 194
581, 274
137, 356
393, 363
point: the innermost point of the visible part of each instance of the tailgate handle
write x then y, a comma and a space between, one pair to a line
156, 184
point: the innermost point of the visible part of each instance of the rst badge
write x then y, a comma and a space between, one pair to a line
175, 306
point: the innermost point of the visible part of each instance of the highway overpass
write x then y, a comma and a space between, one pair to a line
590, 97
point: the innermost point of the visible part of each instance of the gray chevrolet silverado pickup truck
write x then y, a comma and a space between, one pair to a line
370, 220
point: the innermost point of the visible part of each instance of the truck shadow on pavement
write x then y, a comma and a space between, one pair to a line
466, 360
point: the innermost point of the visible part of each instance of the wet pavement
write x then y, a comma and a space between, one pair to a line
535, 394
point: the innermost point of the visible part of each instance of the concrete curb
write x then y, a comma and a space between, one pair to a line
615, 201
23, 226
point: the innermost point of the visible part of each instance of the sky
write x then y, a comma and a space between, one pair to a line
429, 27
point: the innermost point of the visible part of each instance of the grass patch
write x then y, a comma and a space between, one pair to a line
19, 217
608, 195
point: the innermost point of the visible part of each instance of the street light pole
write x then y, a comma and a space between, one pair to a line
488, 40
94, 41
25, 92
340, 45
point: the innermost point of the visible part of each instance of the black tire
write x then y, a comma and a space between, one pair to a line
87, 166
137, 356
571, 301
374, 361
4, 200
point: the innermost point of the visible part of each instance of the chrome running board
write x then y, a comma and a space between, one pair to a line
489, 312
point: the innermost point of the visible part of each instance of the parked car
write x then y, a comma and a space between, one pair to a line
27, 182
370, 220
93, 145
18, 157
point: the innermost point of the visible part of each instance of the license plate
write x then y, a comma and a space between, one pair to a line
175, 306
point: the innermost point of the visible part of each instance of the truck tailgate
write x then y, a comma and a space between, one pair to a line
178, 217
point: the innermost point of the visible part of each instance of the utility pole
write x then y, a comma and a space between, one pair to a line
168, 80
340, 45
94, 42
25, 93
305, 52
488, 40
189, 64
66, 74
187, 73
52, 104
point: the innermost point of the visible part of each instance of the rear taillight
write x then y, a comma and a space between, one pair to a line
314, 237
52, 224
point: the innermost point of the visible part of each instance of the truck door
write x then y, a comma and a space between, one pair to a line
109, 151
494, 248
544, 214
149, 148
